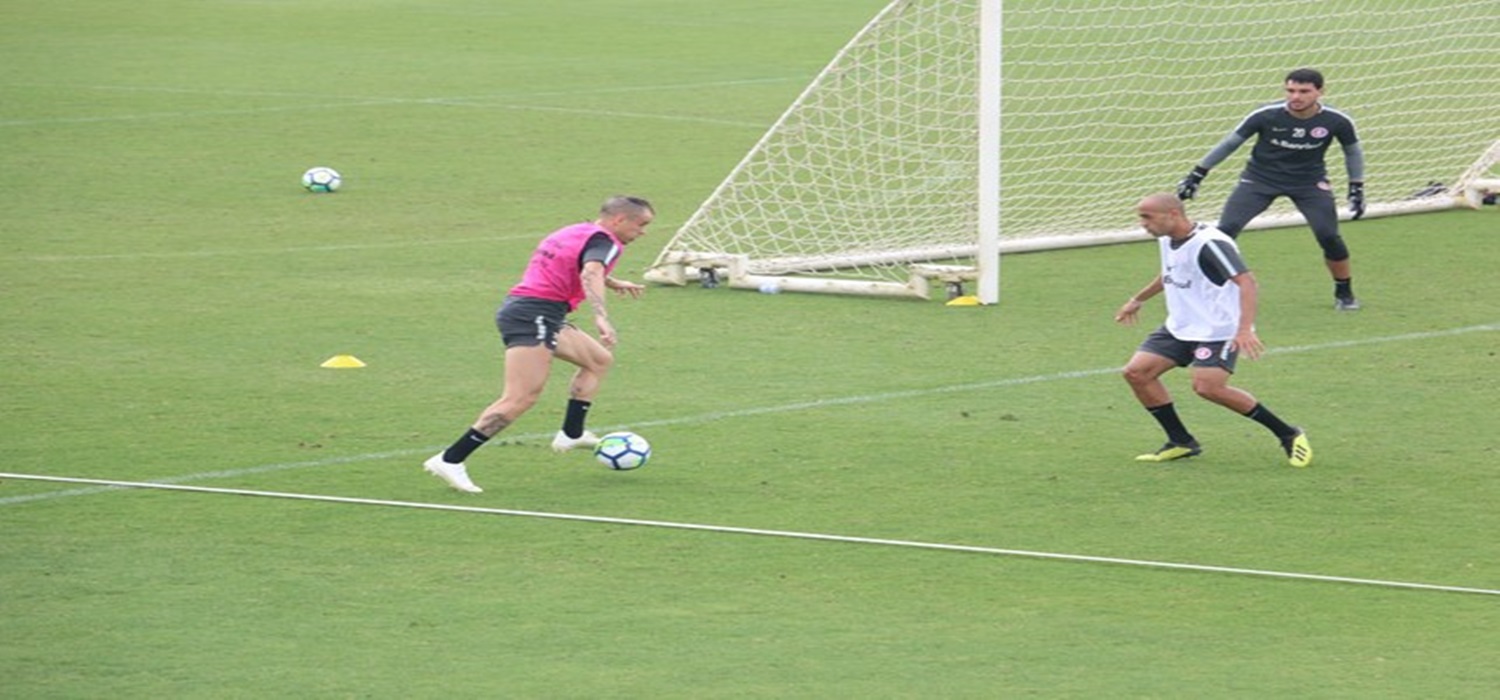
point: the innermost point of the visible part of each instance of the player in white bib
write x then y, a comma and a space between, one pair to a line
1211, 304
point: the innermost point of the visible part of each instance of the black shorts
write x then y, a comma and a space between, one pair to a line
1198, 353
528, 321
1250, 198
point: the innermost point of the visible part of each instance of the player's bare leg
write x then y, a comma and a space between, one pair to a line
590, 356
526, 372
1338, 268
594, 362
1143, 374
1212, 383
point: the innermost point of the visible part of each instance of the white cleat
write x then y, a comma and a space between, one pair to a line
457, 475
562, 443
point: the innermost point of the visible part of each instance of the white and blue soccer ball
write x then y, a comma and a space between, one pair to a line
623, 450
321, 179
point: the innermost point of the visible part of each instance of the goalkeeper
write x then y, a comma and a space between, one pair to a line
1292, 137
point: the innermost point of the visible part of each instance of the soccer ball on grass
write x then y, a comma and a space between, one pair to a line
321, 179
622, 451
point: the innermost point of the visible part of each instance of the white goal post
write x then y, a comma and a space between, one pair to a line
925, 149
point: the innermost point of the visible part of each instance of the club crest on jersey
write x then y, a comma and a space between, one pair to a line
1319, 132
1203, 353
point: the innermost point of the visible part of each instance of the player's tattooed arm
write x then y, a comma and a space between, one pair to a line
595, 281
594, 286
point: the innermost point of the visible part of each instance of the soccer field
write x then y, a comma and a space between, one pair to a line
848, 498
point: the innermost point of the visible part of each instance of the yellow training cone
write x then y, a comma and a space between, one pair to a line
964, 301
343, 362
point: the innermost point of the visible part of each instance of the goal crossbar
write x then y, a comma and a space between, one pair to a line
889, 161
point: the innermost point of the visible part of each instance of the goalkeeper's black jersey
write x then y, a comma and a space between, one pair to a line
1289, 152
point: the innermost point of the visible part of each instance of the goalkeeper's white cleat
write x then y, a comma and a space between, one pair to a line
562, 443
457, 475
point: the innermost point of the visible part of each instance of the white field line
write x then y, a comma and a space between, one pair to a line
741, 413
322, 102
736, 123
179, 254
1203, 568
179, 116
583, 92
194, 114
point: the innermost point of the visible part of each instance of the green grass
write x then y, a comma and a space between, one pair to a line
169, 293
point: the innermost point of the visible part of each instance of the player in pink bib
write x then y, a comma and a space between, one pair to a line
553, 272
570, 268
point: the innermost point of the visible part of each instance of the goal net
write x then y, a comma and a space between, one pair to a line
870, 181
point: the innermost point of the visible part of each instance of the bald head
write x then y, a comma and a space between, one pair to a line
1163, 201
1162, 214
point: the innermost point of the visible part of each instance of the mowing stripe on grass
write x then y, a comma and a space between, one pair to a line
1204, 568
740, 413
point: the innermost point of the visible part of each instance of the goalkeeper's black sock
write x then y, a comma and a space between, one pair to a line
1166, 415
1264, 416
465, 446
578, 412
1343, 288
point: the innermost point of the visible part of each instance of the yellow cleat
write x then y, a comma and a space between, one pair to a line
1171, 451
1298, 449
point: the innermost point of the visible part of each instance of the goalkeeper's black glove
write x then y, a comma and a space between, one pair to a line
1357, 200
1188, 188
